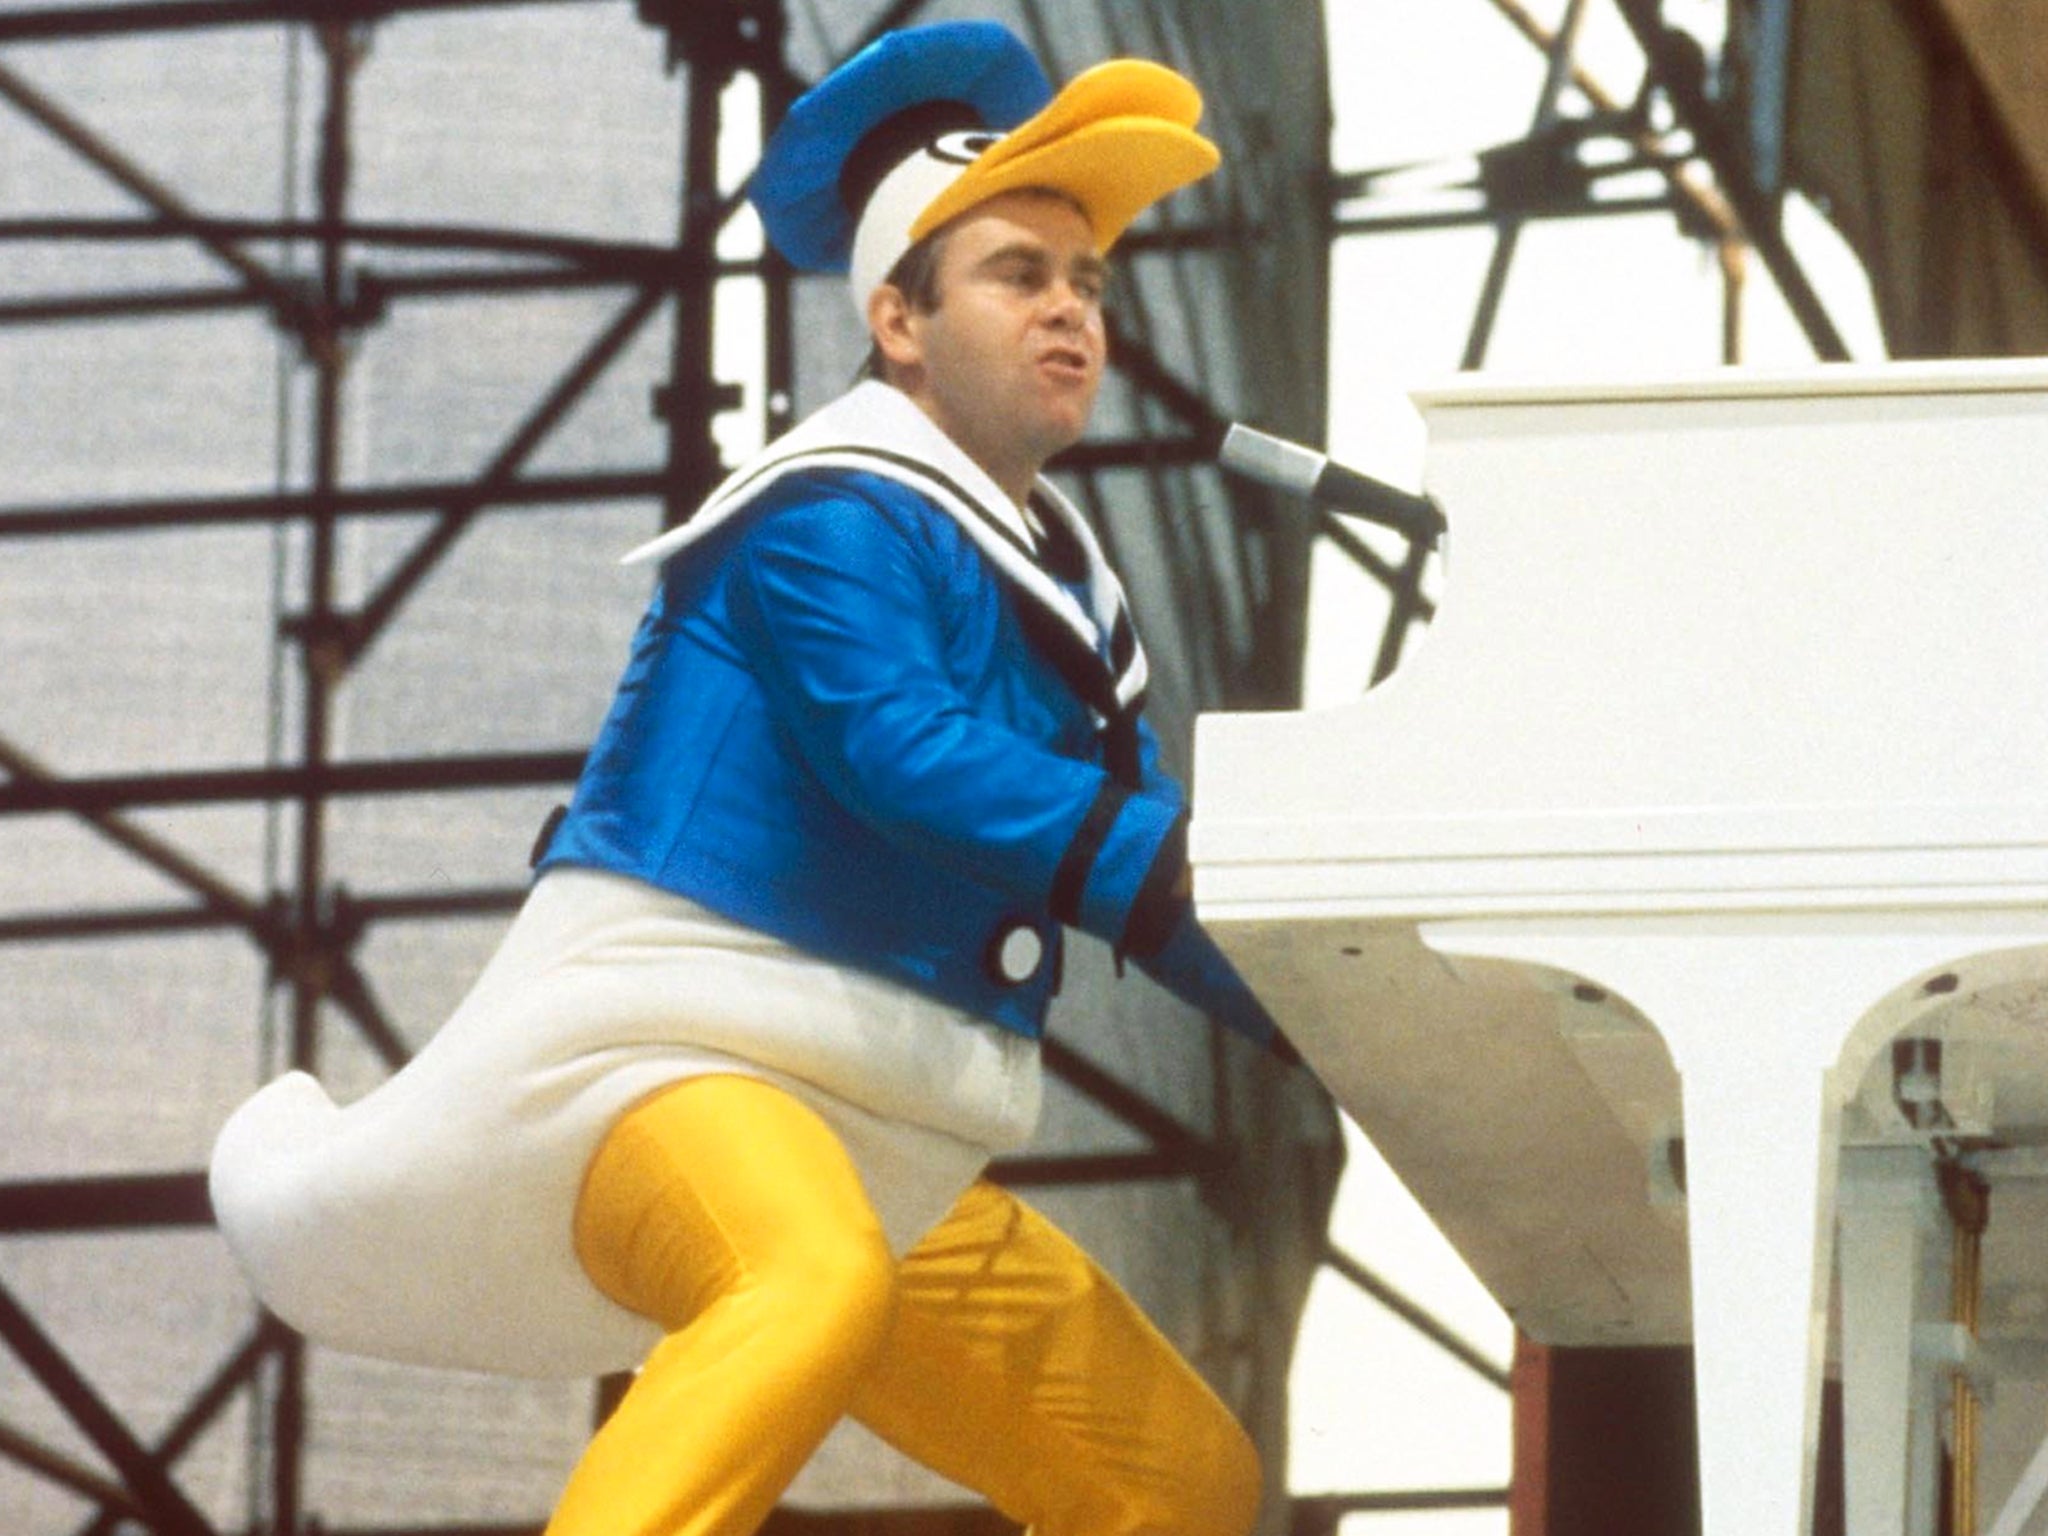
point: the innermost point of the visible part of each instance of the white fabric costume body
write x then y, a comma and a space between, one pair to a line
430, 1221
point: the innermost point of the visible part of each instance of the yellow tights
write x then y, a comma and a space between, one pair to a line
995, 1352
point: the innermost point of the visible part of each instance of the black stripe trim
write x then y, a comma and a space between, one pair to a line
1157, 909
1070, 880
1071, 656
1120, 749
1123, 642
1061, 550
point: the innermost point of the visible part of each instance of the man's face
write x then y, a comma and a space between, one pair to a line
1009, 361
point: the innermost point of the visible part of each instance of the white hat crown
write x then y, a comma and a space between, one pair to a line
883, 233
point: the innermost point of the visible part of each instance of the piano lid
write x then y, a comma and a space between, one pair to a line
1742, 639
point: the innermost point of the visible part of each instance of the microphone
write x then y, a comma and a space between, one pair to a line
1277, 462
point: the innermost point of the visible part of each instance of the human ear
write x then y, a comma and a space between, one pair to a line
889, 323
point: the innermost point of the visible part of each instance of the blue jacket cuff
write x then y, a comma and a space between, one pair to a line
1141, 847
1193, 969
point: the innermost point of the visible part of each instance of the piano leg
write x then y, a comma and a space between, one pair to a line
1893, 1276
1759, 1137
1762, 1022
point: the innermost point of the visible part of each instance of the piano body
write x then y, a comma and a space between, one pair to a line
1675, 921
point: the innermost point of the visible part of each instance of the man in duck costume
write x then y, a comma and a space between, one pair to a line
720, 1104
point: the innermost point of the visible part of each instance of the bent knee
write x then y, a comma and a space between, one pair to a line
843, 1284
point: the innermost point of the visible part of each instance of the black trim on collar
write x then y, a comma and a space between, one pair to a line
1060, 552
907, 464
1072, 657
1123, 642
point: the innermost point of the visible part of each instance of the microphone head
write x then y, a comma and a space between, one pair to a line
1289, 466
1271, 460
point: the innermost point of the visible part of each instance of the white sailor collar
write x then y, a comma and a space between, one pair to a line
877, 429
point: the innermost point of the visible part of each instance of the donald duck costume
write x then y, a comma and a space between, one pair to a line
721, 1101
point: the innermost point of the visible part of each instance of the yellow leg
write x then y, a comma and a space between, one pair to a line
1019, 1369
730, 1214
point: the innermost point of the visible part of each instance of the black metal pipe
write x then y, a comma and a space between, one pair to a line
1137, 362
690, 399
375, 291
323, 663
40, 1207
53, 1466
316, 781
1508, 223
164, 1506
376, 615
309, 947
1407, 609
1758, 211
1369, 560
132, 922
79, 23
364, 912
206, 1406
214, 893
1098, 454
83, 518
132, 179
778, 90
1168, 1135
637, 261
1423, 1322
153, 304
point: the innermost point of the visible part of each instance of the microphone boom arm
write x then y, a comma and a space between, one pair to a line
1291, 467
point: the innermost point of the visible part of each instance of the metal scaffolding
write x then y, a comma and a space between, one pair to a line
327, 279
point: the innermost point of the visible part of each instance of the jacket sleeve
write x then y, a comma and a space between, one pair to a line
1193, 969
838, 609
1183, 958
1152, 775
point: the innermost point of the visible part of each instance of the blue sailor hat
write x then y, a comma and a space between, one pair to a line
925, 123
841, 137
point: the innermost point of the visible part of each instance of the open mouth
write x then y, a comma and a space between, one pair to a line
1064, 360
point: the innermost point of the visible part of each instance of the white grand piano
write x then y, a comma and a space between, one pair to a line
1675, 921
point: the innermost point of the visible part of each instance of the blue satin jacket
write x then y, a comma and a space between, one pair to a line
836, 727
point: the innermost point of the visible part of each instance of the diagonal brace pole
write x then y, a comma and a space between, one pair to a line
163, 1505
217, 897
236, 1372
131, 178
377, 613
